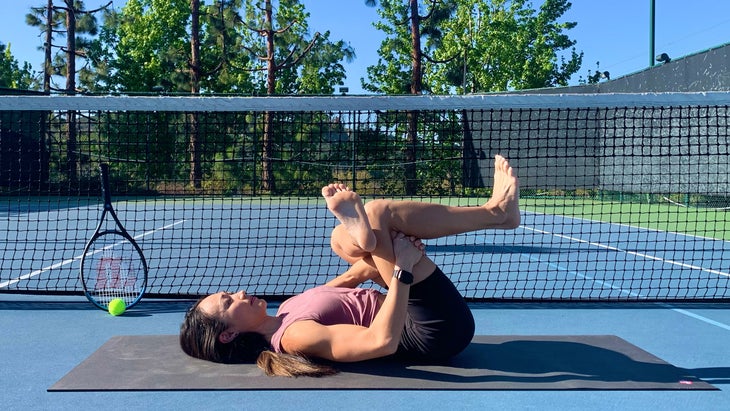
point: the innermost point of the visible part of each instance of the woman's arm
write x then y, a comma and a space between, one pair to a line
359, 272
347, 343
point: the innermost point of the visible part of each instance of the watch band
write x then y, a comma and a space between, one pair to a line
403, 276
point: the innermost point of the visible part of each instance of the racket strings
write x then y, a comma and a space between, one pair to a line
113, 268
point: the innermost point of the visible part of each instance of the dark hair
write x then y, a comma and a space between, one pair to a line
199, 334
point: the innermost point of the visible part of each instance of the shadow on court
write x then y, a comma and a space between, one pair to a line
543, 364
143, 309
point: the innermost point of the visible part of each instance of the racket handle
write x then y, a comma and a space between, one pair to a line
104, 171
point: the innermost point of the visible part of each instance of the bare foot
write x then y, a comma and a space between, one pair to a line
346, 205
506, 194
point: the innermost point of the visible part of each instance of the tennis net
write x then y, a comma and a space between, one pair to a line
624, 196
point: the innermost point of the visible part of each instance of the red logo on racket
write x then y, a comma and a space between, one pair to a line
109, 274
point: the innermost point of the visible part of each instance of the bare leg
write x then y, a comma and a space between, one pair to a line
427, 220
422, 220
360, 272
343, 243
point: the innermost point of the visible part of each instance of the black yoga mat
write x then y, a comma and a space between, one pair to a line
569, 362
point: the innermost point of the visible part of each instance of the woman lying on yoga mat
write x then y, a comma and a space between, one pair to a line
422, 317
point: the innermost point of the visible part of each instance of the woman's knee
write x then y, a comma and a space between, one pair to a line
343, 246
378, 211
454, 337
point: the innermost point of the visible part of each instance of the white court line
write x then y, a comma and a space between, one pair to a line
642, 255
622, 290
78, 257
696, 316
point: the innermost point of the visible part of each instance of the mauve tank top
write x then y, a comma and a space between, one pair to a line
327, 306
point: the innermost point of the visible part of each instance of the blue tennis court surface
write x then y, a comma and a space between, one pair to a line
44, 337
280, 250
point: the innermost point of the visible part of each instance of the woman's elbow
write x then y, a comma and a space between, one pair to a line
388, 346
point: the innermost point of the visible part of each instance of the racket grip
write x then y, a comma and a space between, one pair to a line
104, 171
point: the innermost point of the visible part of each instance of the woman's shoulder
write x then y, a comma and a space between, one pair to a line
302, 336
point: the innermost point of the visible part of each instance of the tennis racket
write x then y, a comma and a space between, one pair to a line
112, 265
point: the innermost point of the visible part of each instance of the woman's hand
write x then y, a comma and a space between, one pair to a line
408, 250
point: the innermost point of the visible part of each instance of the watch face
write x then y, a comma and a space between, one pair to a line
404, 276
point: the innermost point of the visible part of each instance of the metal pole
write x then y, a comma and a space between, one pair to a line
652, 18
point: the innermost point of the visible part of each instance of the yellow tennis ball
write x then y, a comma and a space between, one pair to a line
117, 307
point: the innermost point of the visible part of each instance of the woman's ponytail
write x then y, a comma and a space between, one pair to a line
288, 365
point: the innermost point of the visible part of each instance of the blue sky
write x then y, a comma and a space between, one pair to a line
614, 33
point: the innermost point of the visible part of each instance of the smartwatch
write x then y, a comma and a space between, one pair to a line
403, 276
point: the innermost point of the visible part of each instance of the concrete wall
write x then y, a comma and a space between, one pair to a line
705, 71
662, 150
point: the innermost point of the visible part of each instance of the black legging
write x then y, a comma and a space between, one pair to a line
439, 323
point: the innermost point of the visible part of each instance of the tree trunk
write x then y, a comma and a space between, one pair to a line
471, 176
411, 177
47, 62
71, 132
416, 55
196, 172
70, 48
267, 173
